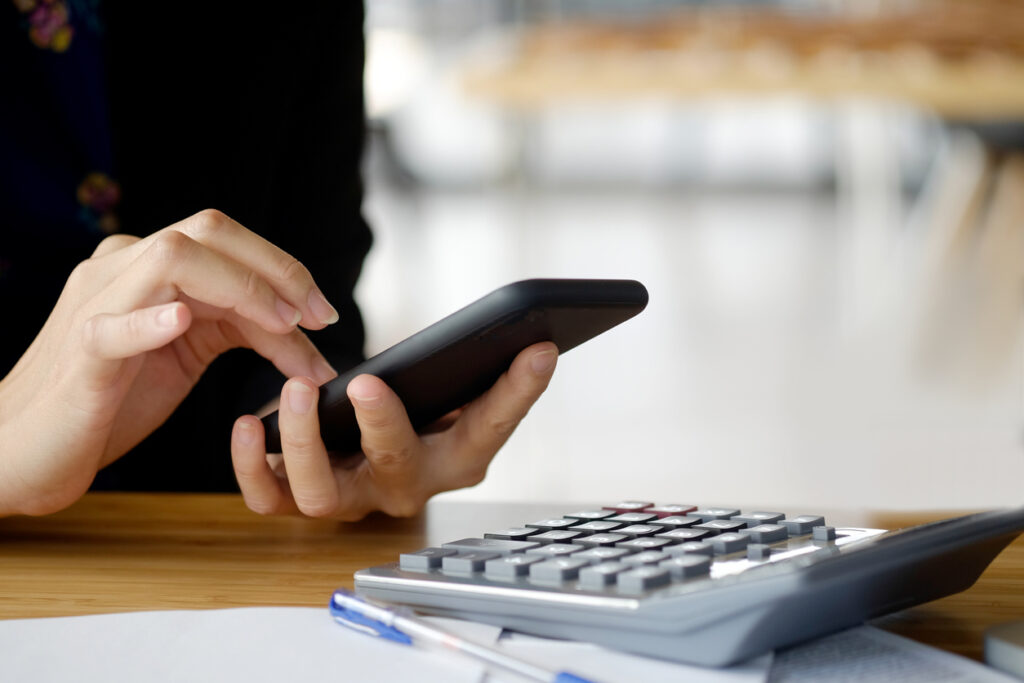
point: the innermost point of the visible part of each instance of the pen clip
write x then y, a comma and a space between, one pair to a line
359, 621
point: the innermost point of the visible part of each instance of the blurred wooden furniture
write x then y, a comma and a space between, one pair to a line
125, 552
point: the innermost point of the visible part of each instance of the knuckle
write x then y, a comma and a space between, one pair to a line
90, 334
403, 505
474, 474
208, 222
253, 284
292, 269
300, 441
389, 459
114, 243
169, 247
503, 426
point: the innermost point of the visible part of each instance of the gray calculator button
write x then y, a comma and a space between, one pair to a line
802, 524
601, 539
758, 551
517, 533
721, 526
555, 536
684, 535
759, 517
466, 563
428, 558
671, 509
710, 514
556, 550
554, 523
557, 569
645, 543
676, 521
633, 517
646, 557
767, 533
639, 530
687, 566
628, 506
643, 578
823, 533
729, 543
600, 575
690, 548
590, 515
491, 545
510, 566
601, 554
598, 527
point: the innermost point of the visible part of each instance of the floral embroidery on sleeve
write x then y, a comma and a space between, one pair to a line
99, 194
49, 24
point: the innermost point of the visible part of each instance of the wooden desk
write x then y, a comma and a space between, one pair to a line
125, 552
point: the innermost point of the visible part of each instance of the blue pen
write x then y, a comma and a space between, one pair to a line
402, 626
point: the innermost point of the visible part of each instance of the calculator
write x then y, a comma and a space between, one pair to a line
702, 585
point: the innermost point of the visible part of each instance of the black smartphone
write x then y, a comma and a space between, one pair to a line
458, 358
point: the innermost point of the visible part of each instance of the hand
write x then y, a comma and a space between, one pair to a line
401, 469
133, 330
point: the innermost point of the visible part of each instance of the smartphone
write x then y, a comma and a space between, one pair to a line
448, 364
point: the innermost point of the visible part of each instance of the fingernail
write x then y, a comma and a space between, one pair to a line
323, 310
300, 397
365, 400
542, 362
288, 313
323, 370
246, 433
168, 317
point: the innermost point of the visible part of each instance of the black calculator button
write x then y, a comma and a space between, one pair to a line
601, 555
557, 569
823, 533
598, 527
556, 550
759, 517
595, 540
517, 533
556, 536
643, 578
428, 558
729, 543
802, 524
767, 533
590, 515
628, 506
721, 526
687, 566
690, 548
671, 510
646, 557
710, 514
639, 530
758, 551
601, 575
676, 521
555, 523
633, 518
467, 563
490, 545
511, 566
645, 543
684, 535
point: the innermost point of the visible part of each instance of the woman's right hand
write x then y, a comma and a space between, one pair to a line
133, 330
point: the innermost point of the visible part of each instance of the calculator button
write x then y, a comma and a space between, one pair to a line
690, 548
645, 543
677, 535
598, 527
466, 563
555, 550
671, 510
600, 575
729, 543
601, 555
558, 569
510, 566
758, 551
590, 515
755, 518
601, 539
823, 533
676, 522
646, 557
517, 533
710, 514
721, 526
767, 533
555, 536
491, 545
633, 518
802, 524
555, 523
639, 530
428, 558
643, 578
628, 506
687, 566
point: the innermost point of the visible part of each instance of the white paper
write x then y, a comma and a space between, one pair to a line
868, 655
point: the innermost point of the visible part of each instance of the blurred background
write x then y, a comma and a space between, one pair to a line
825, 200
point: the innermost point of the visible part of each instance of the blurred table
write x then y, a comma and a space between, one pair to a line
116, 552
